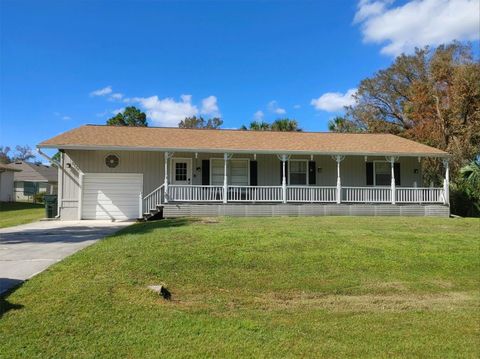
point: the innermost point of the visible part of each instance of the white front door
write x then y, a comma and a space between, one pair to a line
181, 172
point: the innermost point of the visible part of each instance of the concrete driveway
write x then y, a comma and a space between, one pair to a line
31, 248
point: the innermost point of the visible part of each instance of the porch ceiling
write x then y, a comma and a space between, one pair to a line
91, 137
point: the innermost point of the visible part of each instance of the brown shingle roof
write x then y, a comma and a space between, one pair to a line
202, 140
7, 167
32, 172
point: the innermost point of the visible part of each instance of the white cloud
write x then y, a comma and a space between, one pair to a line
116, 96
167, 111
296, 107
210, 106
418, 23
258, 116
62, 116
102, 92
273, 107
334, 101
118, 110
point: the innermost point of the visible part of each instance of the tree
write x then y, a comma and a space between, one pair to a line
131, 116
342, 125
257, 126
4, 154
432, 97
23, 153
200, 122
285, 124
471, 175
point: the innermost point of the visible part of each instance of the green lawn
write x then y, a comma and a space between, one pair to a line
258, 287
15, 213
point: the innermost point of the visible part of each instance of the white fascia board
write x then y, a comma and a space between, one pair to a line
269, 152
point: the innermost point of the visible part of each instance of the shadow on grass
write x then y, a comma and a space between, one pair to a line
8, 286
147, 227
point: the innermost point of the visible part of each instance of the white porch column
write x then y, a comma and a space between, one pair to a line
284, 158
226, 157
284, 179
446, 183
339, 159
167, 157
392, 183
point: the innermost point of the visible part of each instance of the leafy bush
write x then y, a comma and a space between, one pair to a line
39, 197
465, 192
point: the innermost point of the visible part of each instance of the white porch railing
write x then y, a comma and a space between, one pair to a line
254, 194
366, 194
295, 194
311, 194
153, 199
195, 193
420, 195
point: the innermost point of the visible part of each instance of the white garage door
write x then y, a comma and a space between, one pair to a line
111, 195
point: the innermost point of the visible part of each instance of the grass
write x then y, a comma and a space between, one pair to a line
258, 287
15, 213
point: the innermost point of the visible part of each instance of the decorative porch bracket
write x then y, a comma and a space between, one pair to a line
339, 159
446, 183
226, 157
392, 160
284, 158
168, 156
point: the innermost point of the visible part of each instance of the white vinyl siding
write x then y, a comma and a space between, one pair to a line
111, 196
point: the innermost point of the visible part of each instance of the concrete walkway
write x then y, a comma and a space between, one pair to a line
31, 248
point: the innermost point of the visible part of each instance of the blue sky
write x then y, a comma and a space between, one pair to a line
68, 63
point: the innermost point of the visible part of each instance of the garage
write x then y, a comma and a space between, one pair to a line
114, 196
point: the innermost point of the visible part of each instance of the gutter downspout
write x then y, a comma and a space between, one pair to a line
60, 183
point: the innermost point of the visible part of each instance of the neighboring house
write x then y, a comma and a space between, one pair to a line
33, 178
110, 172
6, 183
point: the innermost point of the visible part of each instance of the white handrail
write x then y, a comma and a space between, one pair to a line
299, 194
153, 199
254, 194
195, 193
311, 194
366, 194
420, 195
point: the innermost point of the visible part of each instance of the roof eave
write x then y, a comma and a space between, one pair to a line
273, 152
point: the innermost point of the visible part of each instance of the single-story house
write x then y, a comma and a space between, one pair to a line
33, 178
6, 182
118, 173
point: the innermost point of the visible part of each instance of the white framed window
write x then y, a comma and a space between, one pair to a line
238, 171
382, 174
298, 172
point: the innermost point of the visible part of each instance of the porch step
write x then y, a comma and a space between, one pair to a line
153, 214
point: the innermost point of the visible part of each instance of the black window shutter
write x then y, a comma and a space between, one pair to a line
206, 172
312, 179
281, 171
369, 167
396, 172
253, 173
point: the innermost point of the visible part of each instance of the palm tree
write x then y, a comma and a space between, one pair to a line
285, 124
342, 125
471, 175
257, 126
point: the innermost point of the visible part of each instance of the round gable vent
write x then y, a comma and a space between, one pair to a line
112, 161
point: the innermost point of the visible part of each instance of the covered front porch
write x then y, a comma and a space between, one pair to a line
292, 179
